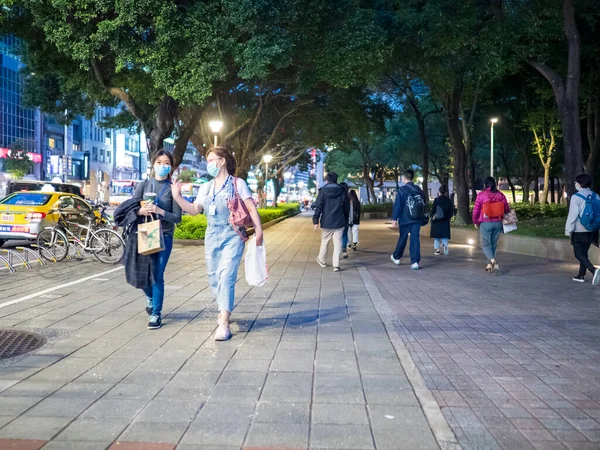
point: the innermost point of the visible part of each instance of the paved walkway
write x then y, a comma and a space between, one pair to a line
375, 357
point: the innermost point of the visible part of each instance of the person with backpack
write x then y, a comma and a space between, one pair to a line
331, 211
488, 213
582, 226
409, 214
441, 213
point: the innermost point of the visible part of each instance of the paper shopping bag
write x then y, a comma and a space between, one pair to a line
150, 238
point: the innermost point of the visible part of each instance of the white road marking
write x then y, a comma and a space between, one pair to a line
100, 279
56, 288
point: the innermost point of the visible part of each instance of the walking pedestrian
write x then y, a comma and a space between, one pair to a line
441, 213
490, 207
409, 215
331, 210
345, 234
223, 246
156, 191
354, 222
581, 237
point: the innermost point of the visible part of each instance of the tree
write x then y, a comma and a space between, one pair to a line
17, 162
167, 61
533, 29
187, 176
545, 128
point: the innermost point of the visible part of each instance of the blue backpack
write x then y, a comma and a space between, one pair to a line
590, 217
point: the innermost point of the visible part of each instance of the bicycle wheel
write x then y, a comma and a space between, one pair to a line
107, 246
53, 244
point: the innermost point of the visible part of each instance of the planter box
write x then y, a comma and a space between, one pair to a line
559, 249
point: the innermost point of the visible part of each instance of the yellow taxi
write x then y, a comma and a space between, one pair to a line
24, 214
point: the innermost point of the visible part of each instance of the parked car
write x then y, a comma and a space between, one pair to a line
24, 214
34, 185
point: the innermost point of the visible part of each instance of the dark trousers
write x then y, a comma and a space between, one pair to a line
581, 245
414, 230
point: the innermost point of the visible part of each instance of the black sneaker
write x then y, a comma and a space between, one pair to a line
149, 306
354, 247
154, 322
345, 255
579, 279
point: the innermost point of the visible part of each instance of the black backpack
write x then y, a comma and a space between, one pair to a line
415, 205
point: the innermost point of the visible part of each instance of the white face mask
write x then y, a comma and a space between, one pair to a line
577, 187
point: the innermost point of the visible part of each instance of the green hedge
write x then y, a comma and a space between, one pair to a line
377, 207
194, 227
527, 211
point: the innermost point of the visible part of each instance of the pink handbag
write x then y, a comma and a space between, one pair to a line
239, 216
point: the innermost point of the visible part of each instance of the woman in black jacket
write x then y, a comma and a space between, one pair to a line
354, 220
441, 213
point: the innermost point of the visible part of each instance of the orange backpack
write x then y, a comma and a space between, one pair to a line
493, 210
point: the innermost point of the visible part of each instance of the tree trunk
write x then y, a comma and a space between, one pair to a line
552, 193
566, 92
544, 198
508, 177
461, 188
536, 190
593, 133
163, 126
425, 152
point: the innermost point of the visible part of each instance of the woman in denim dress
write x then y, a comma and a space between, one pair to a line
222, 245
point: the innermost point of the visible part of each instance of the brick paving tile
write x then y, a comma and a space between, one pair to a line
512, 361
21, 444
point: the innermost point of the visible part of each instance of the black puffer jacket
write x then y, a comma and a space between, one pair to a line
332, 207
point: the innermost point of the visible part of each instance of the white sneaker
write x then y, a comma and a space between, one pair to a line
394, 260
596, 279
322, 264
437, 252
414, 266
446, 250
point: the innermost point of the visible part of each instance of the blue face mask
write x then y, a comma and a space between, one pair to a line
162, 171
212, 169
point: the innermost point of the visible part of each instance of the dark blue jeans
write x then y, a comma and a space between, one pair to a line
158, 264
414, 229
345, 239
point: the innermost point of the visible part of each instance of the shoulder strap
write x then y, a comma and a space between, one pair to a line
577, 194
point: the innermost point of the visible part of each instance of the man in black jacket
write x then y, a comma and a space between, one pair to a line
332, 208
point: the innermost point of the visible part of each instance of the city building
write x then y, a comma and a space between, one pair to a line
17, 123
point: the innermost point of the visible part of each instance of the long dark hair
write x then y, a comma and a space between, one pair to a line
354, 199
490, 182
163, 152
230, 162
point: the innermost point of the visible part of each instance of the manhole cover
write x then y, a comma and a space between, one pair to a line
17, 342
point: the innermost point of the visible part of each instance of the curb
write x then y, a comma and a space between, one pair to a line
191, 242
433, 413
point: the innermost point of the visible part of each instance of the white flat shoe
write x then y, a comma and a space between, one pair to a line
223, 333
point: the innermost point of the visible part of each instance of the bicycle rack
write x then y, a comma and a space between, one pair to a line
28, 253
74, 252
7, 264
47, 251
11, 258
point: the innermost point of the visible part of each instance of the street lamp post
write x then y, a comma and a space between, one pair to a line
215, 127
492, 121
267, 159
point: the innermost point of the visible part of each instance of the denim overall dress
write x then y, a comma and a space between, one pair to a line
222, 245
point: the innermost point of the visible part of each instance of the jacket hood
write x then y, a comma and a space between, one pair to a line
332, 190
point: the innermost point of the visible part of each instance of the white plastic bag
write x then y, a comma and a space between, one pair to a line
255, 264
509, 227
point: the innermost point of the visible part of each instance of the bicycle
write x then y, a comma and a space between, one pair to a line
105, 244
